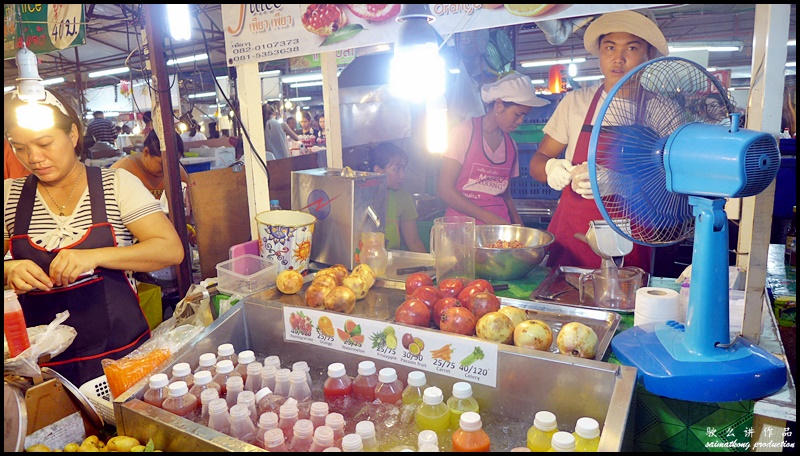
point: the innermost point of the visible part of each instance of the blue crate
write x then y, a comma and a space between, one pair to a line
525, 186
197, 167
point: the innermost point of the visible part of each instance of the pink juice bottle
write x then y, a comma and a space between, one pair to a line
390, 388
158, 390
207, 362
202, 382
366, 381
180, 401
182, 372
275, 441
338, 387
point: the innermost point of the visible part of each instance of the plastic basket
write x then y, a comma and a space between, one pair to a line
528, 133
99, 395
526, 187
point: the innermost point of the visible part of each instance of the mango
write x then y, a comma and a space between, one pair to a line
38, 448
71, 447
122, 443
137, 449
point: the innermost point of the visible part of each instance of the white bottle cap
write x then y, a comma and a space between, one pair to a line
225, 350
588, 428
432, 396
273, 437
178, 388
288, 410
282, 375
336, 370
273, 361
366, 368
352, 443
253, 368
234, 382
303, 428
428, 448
246, 398
521, 450
334, 421
366, 429
218, 406
239, 412
545, 420
562, 441
417, 378
323, 435
268, 371
319, 409
427, 437
246, 357
225, 366
208, 359
332, 449
268, 420
470, 421
202, 378
181, 370
297, 376
262, 392
387, 375
462, 390
159, 380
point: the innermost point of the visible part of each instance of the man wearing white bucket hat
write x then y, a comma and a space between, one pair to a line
621, 41
482, 157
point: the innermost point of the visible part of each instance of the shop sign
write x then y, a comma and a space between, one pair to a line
265, 32
470, 360
343, 57
42, 27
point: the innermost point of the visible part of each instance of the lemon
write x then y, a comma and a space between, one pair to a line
391, 341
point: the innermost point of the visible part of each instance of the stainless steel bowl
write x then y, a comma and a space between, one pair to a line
509, 264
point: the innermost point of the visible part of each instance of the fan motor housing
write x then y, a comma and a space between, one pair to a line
714, 161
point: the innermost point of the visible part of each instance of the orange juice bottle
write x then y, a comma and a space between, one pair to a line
562, 442
470, 437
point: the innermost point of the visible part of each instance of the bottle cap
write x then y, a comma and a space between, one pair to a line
563, 441
218, 406
268, 420
246, 398
427, 437
225, 366
352, 443
428, 448
366, 368
470, 421
417, 378
202, 378
387, 375
544, 420
319, 409
234, 382
336, 370
521, 450
209, 395
273, 361
273, 201
273, 437
253, 368
225, 350
432, 396
208, 359
246, 357
334, 421
332, 449
303, 428
268, 371
462, 390
301, 366
588, 428
262, 392
288, 410
239, 412
366, 429
178, 388
323, 435
159, 381
282, 375
181, 370
297, 376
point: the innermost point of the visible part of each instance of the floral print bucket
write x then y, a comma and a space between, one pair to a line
285, 238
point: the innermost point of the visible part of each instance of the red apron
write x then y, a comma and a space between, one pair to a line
574, 213
104, 310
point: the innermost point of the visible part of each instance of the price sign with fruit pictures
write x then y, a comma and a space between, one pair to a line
470, 360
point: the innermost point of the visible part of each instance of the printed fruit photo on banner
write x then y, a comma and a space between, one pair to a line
528, 10
375, 12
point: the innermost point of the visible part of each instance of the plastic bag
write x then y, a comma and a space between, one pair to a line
194, 310
50, 339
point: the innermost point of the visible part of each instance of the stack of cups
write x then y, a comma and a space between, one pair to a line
656, 305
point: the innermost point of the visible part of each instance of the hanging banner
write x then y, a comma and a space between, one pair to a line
343, 57
42, 27
264, 32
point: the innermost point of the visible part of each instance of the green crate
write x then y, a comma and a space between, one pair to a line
528, 133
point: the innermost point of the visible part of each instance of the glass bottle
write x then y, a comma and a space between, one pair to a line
390, 388
562, 442
248, 399
266, 422
541, 433
266, 401
202, 382
282, 383
218, 416
366, 381
461, 401
224, 371
253, 380
298, 387
205, 398
233, 386
351, 443
226, 351
182, 372
323, 438
427, 437
275, 441
302, 436
470, 436
335, 421
417, 382
318, 412
433, 414
288, 415
587, 435
14, 327
242, 426
158, 390
366, 429
207, 362
303, 366
179, 401
373, 252
245, 357
268, 377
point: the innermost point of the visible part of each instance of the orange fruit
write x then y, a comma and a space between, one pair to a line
325, 326
528, 10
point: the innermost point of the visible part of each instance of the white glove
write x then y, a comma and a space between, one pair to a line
581, 185
559, 173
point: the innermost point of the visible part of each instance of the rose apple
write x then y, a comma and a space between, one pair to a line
577, 339
458, 320
534, 334
413, 312
427, 294
450, 287
440, 306
496, 327
416, 280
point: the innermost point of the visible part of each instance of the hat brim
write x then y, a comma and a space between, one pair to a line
534, 102
628, 22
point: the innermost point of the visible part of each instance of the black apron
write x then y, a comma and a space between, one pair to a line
104, 310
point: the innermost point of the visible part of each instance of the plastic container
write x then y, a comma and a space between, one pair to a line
179, 401
273, 360
298, 387
562, 442
182, 372
233, 386
287, 416
245, 357
587, 435
366, 381
427, 437
302, 436
242, 426
266, 401
303, 366
268, 377
335, 421
417, 383
433, 414
541, 433
373, 251
218, 416
351, 443
99, 394
282, 382
323, 438
14, 328
266, 422
205, 398
226, 351
207, 362
246, 274
338, 386
274, 441
470, 436
248, 399
202, 382
461, 401
253, 380
318, 412
390, 388
366, 429
158, 390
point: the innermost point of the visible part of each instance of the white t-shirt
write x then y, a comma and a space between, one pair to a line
199, 136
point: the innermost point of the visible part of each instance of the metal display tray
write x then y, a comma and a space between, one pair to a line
562, 284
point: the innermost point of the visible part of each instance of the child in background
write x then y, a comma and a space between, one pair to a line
401, 213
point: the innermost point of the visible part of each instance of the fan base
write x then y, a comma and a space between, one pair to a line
755, 374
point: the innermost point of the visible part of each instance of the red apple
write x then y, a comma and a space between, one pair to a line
451, 287
442, 305
427, 294
482, 303
416, 280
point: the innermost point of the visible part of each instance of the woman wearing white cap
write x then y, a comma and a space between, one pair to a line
482, 157
621, 40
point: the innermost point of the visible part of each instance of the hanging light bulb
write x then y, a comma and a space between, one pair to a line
179, 26
572, 70
417, 72
32, 116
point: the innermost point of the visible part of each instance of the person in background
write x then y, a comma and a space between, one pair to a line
12, 168
193, 133
305, 125
126, 129
147, 117
321, 132
275, 134
401, 212
481, 156
292, 123
315, 122
67, 221
212, 130
621, 40
101, 128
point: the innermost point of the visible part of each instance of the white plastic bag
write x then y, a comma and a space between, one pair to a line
51, 340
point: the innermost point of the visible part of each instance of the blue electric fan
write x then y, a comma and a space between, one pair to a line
662, 160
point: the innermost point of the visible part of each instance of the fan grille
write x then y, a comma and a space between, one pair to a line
759, 169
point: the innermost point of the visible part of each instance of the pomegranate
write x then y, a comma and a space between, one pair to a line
482, 303
413, 312
458, 320
483, 285
427, 294
534, 334
375, 12
341, 272
496, 327
416, 280
467, 292
323, 19
451, 287
577, 339
440, 306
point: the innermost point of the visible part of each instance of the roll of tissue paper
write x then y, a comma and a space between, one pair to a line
656, 305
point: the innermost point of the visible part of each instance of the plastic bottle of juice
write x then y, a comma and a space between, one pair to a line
366, 429
390, 388
245, 357
274, 441
226, 351
207, 362
218, 417
14, 327
224, 371
180, 401
562, 442
273, 361
202, 382
521, 450
303, 436
298, 387
417, 382
323, 438
158, 390
268, 402
253, 380
470, 436
205, 398
335, 421
366, 381
248, 399
433, 414
461, 401
428, 448
288, 415
427, 437
234, 386
541, 433
266, 422
242, 427
318, 412
268, 377
351, 443
303, 367
338, 387
282, 384
182, 372
587, 435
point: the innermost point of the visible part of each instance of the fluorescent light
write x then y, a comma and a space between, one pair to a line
306, 107
306, 77
269, 73
711, 69
720, 46
538, 63
791, 43
791, 64
203, 95
188, 59
305, 84
572, 70
272, 99
47, 82
589, 78
179, 26
454, 70
299, 99
109, 72
537, 81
